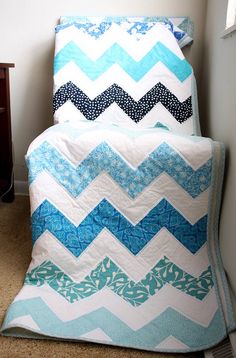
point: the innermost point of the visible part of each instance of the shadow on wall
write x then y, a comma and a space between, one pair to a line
203, 97
33, 110
39, 86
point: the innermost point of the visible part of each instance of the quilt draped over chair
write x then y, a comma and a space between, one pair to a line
125, 197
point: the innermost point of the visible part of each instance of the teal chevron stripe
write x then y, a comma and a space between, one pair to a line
103, 158
116, 54
108, 274
104, 215
167, 323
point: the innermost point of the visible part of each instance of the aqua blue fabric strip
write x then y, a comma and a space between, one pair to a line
163, 159
116, 54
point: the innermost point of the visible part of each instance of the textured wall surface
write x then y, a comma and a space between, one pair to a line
218, 104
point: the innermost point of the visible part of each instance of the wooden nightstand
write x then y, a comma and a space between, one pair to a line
6, 162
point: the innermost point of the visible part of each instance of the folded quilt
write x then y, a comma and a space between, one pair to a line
125, 248
131, 72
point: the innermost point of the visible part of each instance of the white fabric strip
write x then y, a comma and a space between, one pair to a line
200, 312
47, 247
104, 187
134, 150
115, 74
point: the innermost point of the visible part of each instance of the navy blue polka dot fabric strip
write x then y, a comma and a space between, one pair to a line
136, 110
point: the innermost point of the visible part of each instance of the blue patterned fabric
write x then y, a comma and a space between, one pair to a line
133, 237
181, 27
133, 181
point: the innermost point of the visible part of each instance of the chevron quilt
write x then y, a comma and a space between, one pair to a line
129, 72
125, 248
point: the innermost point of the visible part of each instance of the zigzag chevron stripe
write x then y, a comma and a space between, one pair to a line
108, 274
80, 138
95, 47
134, 237
159, 73
115, 54
170, 322
159, 116
75, 180
47, 247
200, 312
92, 109
104, 187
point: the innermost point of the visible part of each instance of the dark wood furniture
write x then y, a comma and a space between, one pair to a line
6, 161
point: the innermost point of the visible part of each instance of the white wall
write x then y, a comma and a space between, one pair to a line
219, 118
27, 39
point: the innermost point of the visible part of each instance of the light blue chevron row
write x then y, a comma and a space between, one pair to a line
116, 54
133, 237
168, 323
103, 158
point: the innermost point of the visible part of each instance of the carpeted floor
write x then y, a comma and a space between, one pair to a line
15, 249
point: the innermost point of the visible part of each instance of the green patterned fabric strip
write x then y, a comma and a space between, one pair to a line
108, 274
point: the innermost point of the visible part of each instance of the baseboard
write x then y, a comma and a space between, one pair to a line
232, 337
21, 187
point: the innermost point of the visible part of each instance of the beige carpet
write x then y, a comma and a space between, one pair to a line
15, 249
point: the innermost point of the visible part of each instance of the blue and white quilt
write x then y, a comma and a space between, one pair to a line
124, 199
125, 247
132, 73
